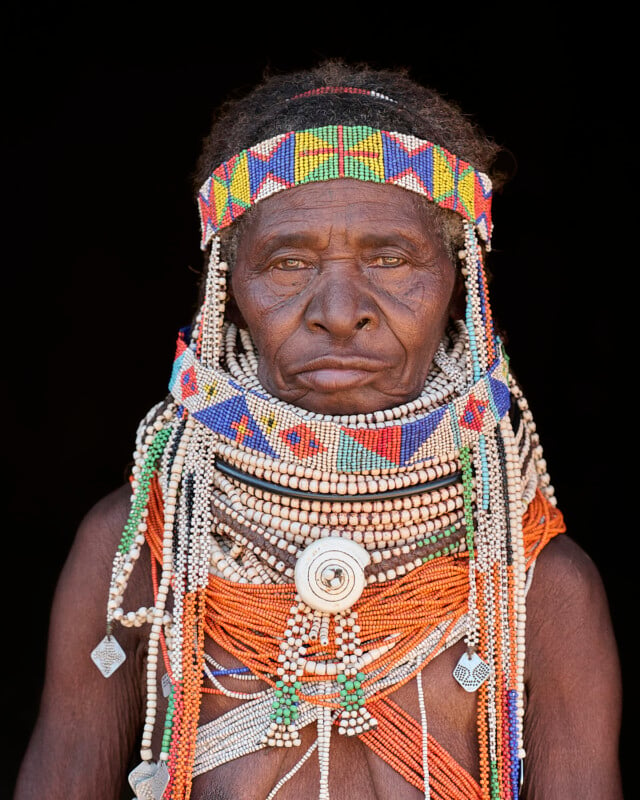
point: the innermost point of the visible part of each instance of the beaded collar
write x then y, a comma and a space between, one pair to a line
255, 422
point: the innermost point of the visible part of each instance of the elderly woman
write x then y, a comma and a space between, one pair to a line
339, 569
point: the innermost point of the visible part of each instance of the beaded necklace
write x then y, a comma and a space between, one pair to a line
317, 526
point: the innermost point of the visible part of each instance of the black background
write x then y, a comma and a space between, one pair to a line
105, 112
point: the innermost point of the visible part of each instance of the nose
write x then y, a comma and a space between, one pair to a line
342, 303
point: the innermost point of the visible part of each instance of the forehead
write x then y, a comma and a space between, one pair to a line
358, 206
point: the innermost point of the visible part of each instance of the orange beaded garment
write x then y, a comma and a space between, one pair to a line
248, 621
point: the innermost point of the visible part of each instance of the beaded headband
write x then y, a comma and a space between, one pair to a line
342, 90
341, 151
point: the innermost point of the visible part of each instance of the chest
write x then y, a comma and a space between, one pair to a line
354, 768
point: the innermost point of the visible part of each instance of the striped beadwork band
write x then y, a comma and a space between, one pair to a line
340, 151
341, 90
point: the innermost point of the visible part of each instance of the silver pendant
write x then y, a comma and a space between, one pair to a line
149, 780
471, 672
108, 656
165, 682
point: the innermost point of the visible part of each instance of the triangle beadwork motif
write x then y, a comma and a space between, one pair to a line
383, 441
271, 167
233, 420
415, 434
353, 456
408, 161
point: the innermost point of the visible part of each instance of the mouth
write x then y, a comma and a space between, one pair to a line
330, 374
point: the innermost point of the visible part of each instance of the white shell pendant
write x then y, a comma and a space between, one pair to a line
471, 671
329, 574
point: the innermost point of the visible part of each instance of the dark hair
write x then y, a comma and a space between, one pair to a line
281, 103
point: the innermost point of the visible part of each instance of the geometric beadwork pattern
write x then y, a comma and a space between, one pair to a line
108, 655
181, 346
301, 440
351, 451
253, 423
233, 420
189, 383
385, 442
473, 414
341, 151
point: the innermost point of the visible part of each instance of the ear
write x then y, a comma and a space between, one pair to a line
457, 304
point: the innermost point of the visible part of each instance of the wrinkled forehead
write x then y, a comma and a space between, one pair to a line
346, 211
337, 152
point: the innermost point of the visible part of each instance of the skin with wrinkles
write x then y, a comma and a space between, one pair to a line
328, 275
346, 292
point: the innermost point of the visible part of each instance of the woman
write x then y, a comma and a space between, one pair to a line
355, 584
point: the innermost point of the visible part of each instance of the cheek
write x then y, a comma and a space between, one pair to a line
265, 311
425, 304
421, 338
249, 299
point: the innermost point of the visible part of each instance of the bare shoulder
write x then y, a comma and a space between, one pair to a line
572, 676
568, 612
87, 570
101, 527
87, 725
566, 580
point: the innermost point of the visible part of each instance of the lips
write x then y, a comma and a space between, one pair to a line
346, 362
332, 374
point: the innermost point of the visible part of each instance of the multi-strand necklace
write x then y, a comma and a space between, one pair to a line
334, 557
334, 587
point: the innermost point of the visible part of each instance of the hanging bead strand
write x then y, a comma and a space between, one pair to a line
212, 315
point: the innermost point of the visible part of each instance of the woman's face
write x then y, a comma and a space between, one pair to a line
346, 292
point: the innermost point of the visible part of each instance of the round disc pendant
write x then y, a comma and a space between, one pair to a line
329, 574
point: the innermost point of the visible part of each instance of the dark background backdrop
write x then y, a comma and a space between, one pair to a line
105, 113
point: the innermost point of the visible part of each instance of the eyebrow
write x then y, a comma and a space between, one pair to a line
270, 244
303, 238
377, 239
309, 238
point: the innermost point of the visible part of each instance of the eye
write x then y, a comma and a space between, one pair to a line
291, 273
388, 261
289, 264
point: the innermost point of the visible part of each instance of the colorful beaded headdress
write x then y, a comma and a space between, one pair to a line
335, 557
341, 151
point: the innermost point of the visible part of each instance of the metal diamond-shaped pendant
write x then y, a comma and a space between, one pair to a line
471, 671
108, 656
165, 682
149, 780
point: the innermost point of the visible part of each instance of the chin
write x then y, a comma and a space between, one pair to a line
332, 396
336, 405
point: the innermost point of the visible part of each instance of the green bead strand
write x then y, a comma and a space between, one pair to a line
168, 724
467, 484
141, 498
